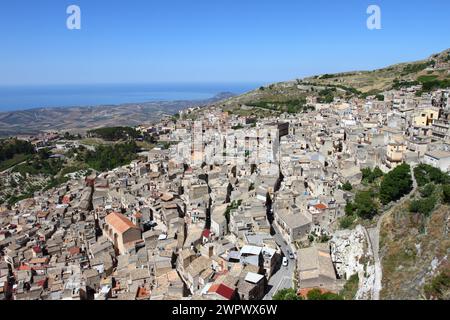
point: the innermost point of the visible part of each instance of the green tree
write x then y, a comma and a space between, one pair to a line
111, 156
13, 183
233, 206
11, 147
396, 184
286, 294
350, 208
316, 294
366, 174
346, 222
165, 145
446, 193
423, 206
377, 173
365, 205
427, 190
44, 154
114, 133
347, 186
370, 175
425, 174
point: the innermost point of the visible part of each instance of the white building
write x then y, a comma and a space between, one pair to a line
438, 159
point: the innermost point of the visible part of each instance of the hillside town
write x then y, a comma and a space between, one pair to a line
236, 208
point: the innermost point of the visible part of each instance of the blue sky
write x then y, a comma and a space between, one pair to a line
145, 41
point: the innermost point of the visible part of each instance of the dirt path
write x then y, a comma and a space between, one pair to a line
374, 238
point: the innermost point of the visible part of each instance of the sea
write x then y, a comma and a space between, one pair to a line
14, 98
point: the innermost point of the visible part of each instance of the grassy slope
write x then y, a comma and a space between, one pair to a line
347, 85
406, 269
383, 79
364, 81
18, 158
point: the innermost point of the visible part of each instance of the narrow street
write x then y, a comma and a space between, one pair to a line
283, 278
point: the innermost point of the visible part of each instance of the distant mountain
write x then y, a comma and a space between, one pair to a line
263, 101
27, 122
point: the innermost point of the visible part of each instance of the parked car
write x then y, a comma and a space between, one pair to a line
285, 262
290, 254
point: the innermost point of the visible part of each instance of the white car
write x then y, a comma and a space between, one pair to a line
285, 261
290, 254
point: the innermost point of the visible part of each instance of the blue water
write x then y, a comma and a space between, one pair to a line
29, 97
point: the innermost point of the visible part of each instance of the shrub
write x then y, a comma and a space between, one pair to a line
109, 157
347, 186
425, 174
350, 288
346, 222
423, 206
439, 287
427, 190
370, 175
446, 193
365, 205
350, 208
396, 184
114, 133
316, 294
11, 147
286, 294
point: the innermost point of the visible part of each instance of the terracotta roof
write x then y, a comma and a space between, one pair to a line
213, 288
73, 251
225, 291
66, 199
119, 222
142, 292
42, 282
37, 249
206, 233
222, 290
24, 267
320, 206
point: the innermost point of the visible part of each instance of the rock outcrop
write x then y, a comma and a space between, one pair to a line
352, 254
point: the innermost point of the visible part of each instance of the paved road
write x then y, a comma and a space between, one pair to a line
374, 237
283, 278
10, 168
